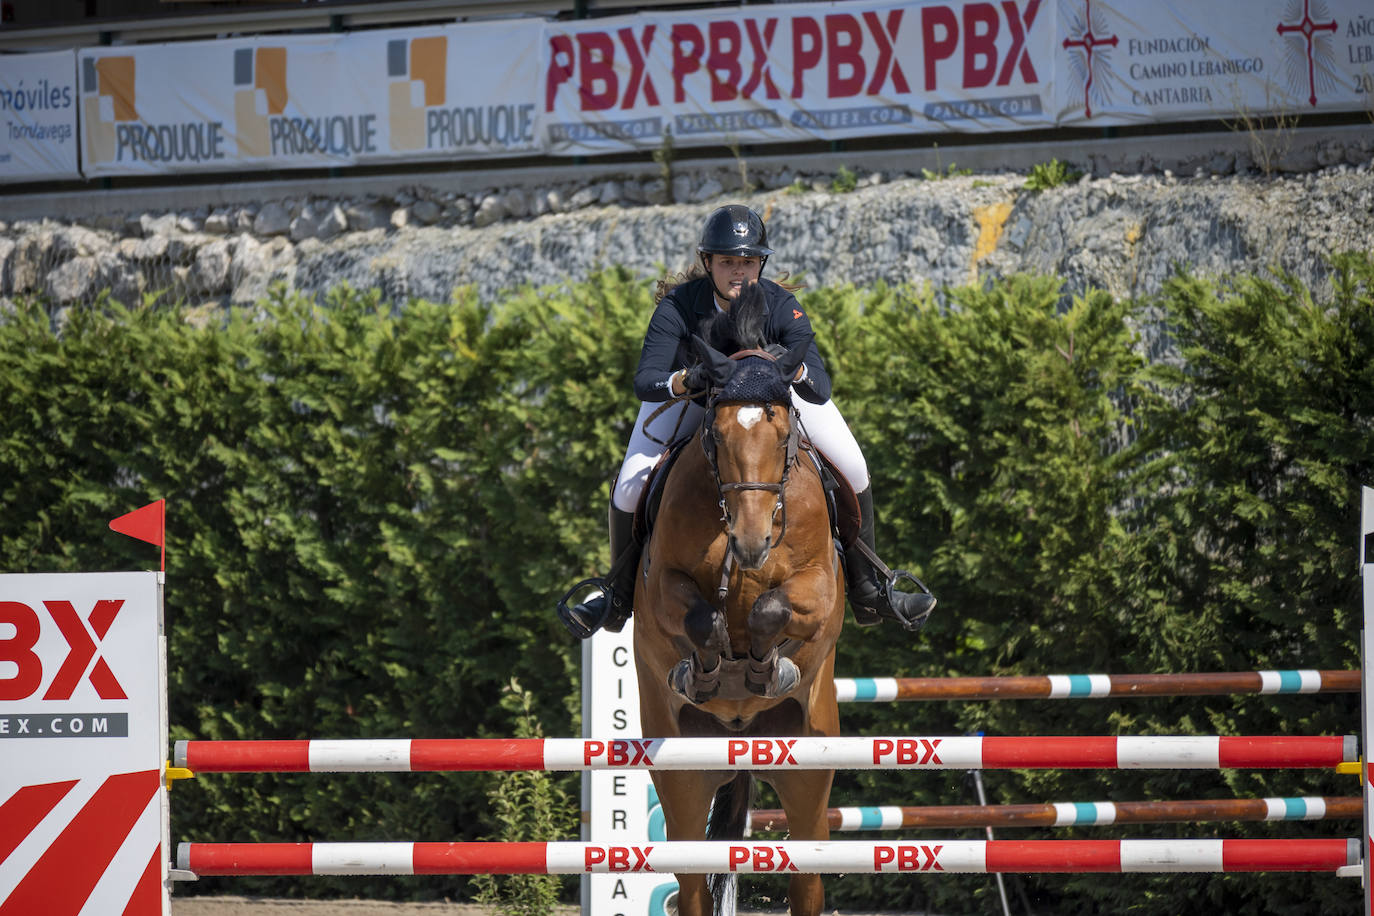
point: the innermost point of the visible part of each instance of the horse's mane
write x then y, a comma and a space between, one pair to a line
741, 328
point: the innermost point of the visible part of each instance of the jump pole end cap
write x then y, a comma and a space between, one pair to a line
171, 774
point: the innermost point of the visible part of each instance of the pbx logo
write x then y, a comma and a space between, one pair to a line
107, 90
416, 70
83, 661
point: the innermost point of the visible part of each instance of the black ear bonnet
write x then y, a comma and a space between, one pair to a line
756, 379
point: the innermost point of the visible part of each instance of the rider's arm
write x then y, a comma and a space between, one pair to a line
657, 374
791, 327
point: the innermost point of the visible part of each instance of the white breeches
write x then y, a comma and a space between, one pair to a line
823, 424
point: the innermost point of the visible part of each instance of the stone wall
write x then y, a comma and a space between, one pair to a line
1124, 232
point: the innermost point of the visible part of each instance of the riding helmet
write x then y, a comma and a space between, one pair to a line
736, 230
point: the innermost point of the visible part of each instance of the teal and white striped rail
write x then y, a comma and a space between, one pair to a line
1093, 686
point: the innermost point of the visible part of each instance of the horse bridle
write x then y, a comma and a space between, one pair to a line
708, 445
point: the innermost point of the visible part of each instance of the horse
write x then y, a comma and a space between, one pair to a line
739, 602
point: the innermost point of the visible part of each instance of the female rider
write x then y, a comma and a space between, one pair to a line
733, 249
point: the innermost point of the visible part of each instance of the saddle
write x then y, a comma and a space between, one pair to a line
841, 502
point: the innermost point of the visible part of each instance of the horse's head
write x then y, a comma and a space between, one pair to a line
750, 436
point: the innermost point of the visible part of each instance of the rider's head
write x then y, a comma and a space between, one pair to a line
733, 249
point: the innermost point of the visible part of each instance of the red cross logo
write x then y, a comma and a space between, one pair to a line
1306, 27
1088, 41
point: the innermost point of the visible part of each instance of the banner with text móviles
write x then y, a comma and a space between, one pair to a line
796, 72
1232, 60
83, 736
38, 117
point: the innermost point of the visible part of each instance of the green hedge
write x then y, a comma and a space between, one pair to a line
372, 509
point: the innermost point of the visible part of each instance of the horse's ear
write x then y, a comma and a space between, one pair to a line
717, 363
789, 361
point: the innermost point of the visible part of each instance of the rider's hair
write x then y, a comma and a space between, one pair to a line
695, 268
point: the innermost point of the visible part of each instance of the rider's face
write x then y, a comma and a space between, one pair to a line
729, 272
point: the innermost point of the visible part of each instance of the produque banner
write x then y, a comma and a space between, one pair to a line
814, 71
1169, 60
38, 116
309, 101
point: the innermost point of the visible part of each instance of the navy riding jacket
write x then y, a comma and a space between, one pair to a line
668, 342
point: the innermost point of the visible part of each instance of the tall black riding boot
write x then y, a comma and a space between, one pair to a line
872, 594
611, 607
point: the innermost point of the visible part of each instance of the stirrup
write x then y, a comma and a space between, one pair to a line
577, 626
887, 609
889, 591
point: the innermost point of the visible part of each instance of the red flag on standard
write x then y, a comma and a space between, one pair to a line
146, 524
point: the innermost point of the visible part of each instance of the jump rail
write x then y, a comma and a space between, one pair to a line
848, 857
923, 753
1084, 686
1076, 814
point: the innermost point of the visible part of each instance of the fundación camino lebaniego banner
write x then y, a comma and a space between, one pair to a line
38, 116
809, 71
1169, 60
309, 101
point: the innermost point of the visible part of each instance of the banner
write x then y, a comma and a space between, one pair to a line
38, 117
309, 101
809, 71
1169, 60
752, 74
83, 737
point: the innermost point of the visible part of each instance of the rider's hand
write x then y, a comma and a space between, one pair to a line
696, 378
778, 351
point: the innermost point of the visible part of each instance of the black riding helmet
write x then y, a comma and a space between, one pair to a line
737, 230
734, 229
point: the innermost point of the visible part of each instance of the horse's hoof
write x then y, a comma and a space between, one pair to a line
787, 678
690, 685
782, 679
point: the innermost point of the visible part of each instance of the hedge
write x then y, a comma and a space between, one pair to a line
373, 506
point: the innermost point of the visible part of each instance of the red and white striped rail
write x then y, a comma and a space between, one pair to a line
717, 857
957, 753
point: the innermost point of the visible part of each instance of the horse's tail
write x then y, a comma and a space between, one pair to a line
728, 818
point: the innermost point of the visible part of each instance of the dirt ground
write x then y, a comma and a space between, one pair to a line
249, 906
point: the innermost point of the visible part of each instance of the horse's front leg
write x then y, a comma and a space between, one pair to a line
817, 607
697, 676
768, 675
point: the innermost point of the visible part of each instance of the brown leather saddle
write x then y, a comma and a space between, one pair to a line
840, 499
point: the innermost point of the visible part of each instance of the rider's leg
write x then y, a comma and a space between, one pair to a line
612, 606
868, 587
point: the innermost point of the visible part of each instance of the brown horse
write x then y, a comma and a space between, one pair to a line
738, 605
